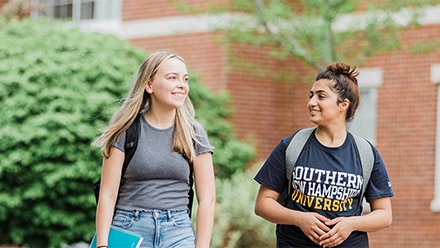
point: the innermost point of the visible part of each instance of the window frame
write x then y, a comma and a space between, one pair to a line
435, 203
102, 9
369, 79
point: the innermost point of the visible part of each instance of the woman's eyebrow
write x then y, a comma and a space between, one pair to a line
176, 73
317, 92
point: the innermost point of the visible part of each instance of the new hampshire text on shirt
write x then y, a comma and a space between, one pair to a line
324, 189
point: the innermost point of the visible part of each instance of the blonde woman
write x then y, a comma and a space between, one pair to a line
153, 200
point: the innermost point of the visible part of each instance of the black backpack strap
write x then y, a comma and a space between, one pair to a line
131, 142
191, 191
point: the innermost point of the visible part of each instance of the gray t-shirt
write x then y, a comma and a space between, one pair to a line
156, 177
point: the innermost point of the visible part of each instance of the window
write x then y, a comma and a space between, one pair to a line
364, 122
79, 10
435, 78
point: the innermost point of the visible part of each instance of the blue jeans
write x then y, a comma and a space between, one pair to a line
159, 228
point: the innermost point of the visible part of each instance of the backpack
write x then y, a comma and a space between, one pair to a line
364, 149
130, 145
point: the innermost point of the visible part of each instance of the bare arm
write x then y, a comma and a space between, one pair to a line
379, 218
205, 192
110, 179
267, 207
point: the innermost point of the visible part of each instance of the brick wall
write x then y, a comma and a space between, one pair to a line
202, 53
140, 9
3, 2
269, 98
406, 139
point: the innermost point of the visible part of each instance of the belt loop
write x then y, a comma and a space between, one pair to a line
136, 214
169, 214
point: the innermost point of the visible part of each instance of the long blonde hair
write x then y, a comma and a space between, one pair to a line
138, 100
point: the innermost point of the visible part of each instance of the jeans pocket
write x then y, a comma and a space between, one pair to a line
182, 220
123, 219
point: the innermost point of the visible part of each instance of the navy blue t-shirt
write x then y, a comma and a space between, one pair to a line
325, 180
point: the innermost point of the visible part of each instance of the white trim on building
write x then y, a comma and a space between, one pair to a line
365, 121
157, 26
205, 23
435, 78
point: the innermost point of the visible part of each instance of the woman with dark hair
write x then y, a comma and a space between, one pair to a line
324, 205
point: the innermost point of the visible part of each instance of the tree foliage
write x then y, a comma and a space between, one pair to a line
236, 224
58, 87
321, 31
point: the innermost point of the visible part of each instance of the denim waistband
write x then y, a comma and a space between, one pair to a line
154, 212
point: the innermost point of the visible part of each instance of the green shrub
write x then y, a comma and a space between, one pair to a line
58, 87
236, 224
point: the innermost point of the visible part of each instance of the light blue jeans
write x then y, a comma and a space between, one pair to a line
159, 228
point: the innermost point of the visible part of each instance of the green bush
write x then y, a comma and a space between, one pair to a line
58, 88
236, 224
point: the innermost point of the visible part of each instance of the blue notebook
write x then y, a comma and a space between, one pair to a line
120, 238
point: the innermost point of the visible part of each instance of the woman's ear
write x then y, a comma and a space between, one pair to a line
344, 104
148, 88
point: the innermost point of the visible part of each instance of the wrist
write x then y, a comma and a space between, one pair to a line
356, 223
295, 217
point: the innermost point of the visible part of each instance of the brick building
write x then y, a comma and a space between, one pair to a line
400, 95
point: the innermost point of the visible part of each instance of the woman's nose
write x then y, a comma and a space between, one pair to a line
180, 84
